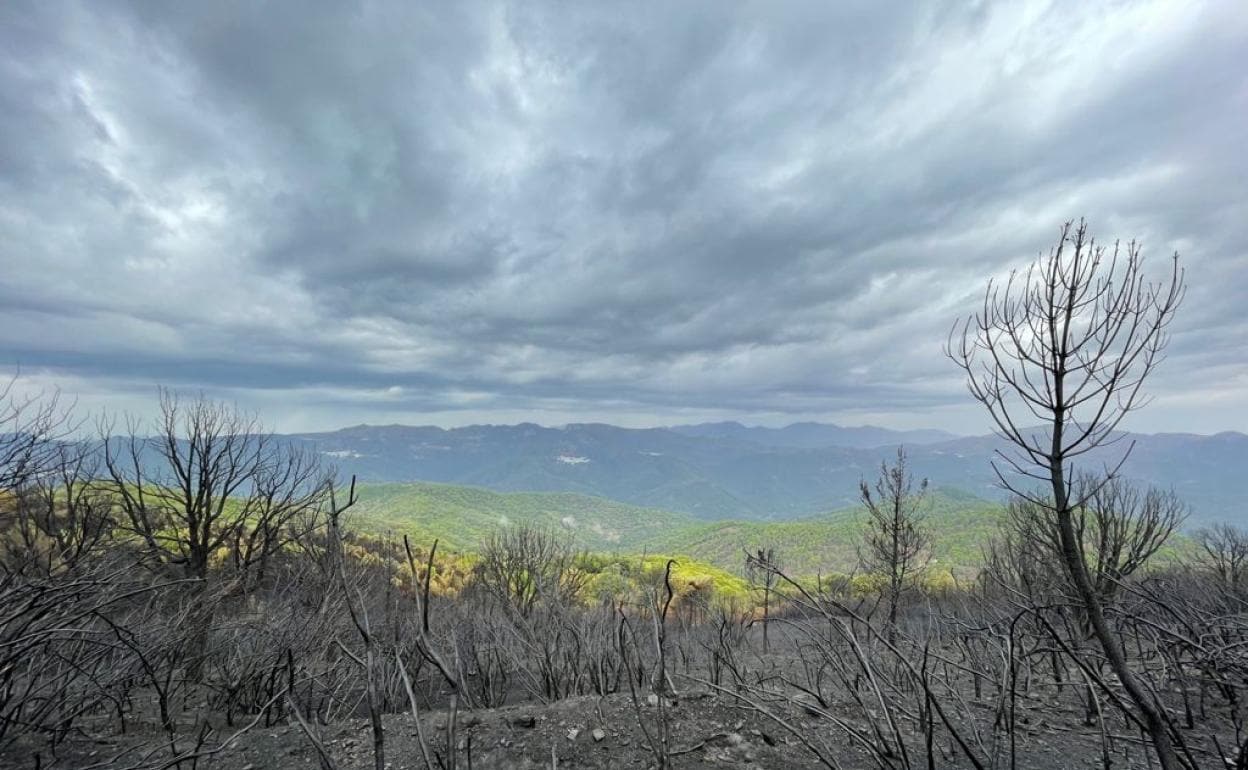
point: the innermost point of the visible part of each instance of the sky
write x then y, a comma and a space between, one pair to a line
644, 213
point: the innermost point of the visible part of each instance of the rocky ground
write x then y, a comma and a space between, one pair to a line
588, 732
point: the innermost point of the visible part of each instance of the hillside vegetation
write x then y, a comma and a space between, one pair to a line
961, 526
461, 516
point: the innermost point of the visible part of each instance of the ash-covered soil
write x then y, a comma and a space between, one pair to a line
585, 732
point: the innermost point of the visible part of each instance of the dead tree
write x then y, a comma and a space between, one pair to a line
189, 494
1118, 528
1069, 343
1225, 550
285, 499
524, 566
357, 608
896, 543
31, 427
766, 578
57, 517
208, 477
1122, 527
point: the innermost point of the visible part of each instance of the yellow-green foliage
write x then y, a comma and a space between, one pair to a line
637, 579
867, 584
450, 573
940, 581
609, 577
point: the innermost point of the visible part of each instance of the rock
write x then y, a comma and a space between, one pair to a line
575, 731
524, 720
598, 734
652, 699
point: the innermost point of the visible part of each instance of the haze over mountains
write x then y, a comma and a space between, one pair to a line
727, 470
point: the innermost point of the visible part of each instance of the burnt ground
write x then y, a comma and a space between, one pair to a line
590, 732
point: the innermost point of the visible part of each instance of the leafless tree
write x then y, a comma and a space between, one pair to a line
58, 516
896, 543
766, 578
1070, 342
1225, 550
209, 478
524, 564
285, 499
1118, 528
30, 428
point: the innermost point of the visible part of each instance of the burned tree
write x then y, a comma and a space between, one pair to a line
524, 566
210, 478
1117, 526
208, 497
765, 578
58, 516
896, 542
31, 427
1225, 551
1069, 343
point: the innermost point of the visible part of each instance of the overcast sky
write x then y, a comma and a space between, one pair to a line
635, 213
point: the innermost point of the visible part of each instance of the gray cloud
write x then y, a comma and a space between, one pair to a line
483, 211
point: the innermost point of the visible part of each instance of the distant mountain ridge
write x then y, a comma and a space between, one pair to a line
813, 435
719, 472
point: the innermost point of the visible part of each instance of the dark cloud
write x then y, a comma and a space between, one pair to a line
481, 211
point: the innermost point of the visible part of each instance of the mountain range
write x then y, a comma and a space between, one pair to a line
730, 471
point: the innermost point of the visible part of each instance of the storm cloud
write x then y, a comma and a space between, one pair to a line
643, 213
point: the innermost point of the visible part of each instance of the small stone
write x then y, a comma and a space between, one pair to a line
598, 734
524, 720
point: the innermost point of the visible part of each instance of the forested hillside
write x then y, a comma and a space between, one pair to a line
460, 517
